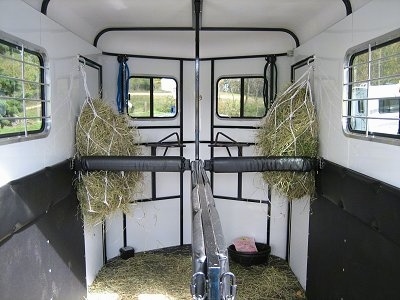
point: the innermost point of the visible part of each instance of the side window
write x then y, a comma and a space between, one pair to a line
240, 97
152, 97
23, 105
372, 87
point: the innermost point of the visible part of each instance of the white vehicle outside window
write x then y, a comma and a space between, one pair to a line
372, 90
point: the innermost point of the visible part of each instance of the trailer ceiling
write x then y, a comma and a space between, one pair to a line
89, 18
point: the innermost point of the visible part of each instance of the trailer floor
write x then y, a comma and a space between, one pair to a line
165, 274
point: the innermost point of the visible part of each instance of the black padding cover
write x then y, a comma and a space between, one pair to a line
133, 163
372, 202
354, 237
42, 252
24, 200
260, 164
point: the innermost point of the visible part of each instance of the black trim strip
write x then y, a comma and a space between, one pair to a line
242, 56
96, 39
98, 67
104, 238
156, 199
288, 231
235, 127
349, 9
299, 64
242, 199
192, 59
158, 127
269, 216
212, 76
45, 4
180, 112
124, 229
147, 56
266, 29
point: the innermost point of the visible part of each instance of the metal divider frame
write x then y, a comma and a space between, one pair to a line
211, 277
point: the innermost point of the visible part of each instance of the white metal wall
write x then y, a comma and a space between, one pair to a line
20, 159
373, 159
66, 95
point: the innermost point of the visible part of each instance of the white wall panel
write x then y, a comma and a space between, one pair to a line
153, 225
66, 95
254, 186
373, 159
279, 221
93, 251
114, 234
373, 19
299, 238
36, 28
242, 219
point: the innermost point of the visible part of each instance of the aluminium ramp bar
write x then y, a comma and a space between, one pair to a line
211, 277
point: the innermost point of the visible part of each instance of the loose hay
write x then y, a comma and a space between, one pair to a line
169, 274
290, 129
101, 131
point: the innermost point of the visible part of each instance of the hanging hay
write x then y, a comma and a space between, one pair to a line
290, 129
167, 275
100, 131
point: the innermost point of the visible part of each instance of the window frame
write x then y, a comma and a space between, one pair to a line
152, 117
351, 54
41, 54
241, 109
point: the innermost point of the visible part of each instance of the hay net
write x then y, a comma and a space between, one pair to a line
290, 129
100, 131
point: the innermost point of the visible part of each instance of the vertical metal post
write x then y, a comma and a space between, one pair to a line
197, 6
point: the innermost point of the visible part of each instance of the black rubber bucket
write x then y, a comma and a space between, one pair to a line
126, 252
250, 258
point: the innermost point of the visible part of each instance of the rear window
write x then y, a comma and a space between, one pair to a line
240, 97
152, 97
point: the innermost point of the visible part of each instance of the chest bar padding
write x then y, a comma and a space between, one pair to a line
132, 163
260, 164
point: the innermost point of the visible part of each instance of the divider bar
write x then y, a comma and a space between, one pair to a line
216, 266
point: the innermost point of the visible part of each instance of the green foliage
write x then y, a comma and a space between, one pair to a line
11, 87
9, 108
163, 104
385, 63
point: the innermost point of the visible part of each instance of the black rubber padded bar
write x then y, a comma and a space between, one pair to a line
132, 163
260, 164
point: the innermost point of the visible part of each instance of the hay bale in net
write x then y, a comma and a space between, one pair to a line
101, 131
290, 129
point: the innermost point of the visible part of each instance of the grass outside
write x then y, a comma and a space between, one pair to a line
229, 106
33, 110
164, 105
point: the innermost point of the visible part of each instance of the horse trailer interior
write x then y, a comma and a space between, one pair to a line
250, 148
